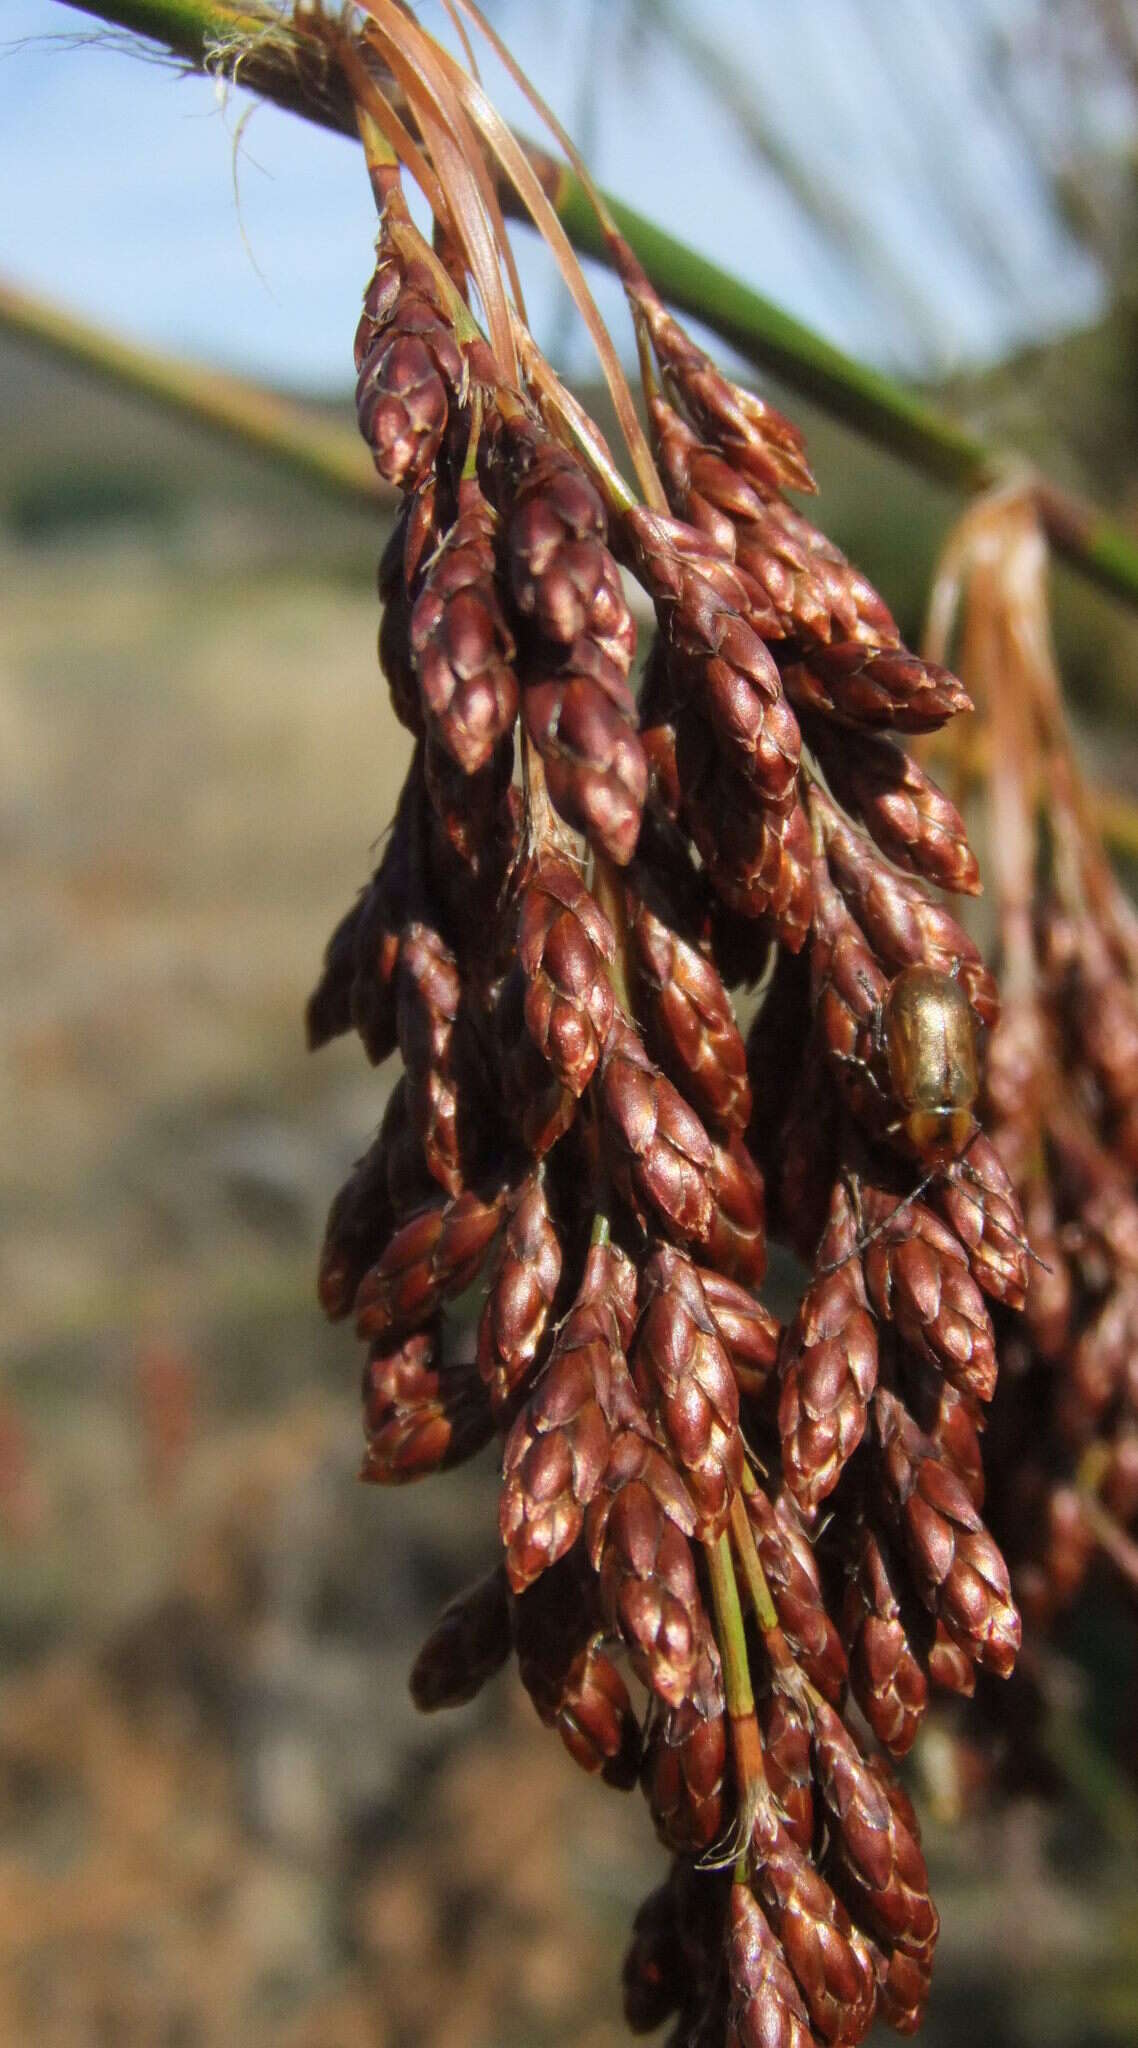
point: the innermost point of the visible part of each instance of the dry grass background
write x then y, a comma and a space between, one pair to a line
220, 1820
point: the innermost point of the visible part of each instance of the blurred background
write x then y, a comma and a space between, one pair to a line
220, 1819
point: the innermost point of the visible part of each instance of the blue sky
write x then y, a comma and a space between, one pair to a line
119, 182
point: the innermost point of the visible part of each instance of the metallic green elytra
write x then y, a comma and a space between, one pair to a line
928, 1030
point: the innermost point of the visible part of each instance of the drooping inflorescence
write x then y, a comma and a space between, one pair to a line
718, 1534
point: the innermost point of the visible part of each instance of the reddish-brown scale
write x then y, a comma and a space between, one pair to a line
685, 1381
827, 1364
420, 1415
435, 1255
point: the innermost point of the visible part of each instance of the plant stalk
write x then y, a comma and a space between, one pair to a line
328, 456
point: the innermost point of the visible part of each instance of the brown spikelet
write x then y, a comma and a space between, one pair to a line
428, 999
420, 1415
410, 366
873, 687
901, 923
888, 1678
736, 1242
766, 2008
917, 1277
562, 577
848, 987
565, 944
470, 1641
359, 1223
637, 1530
827, 1365
786, 1759
574, 659
685, 1381
904, 1982
558, 1450
758, 859
878, 1854
582, 722
978, 1201
690, 1018
461, 645
328, 1012
654, 1976
685, 1762
958, 1570
752, 437
748, 1331
911, 820
382, 912
521, 1293
722, 670
433, 1256
659, 1152
830, 1962
574, 1686
791, 1572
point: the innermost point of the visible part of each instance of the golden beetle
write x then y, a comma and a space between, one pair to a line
927, 1029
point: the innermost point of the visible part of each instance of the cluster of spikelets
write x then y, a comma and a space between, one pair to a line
1061, 1099
717, 1533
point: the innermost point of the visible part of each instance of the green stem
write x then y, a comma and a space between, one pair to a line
746, 1744
325, 455
295, 69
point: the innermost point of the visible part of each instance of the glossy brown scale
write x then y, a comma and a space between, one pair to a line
927, 1031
